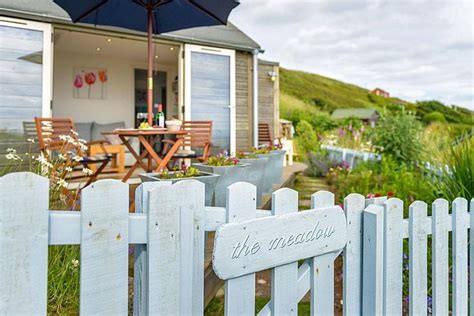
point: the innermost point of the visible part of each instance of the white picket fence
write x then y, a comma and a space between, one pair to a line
350, 156
169, 235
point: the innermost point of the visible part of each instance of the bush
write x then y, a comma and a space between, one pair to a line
452, 115
434, 116
319, 163
307, 140
399, 135
387, 177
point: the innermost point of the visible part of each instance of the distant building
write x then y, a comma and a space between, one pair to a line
368, 116
380, 92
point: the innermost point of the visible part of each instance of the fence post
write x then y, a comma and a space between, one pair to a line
418, 276
393, 257
285, 278
459, 256
240, 292
104, 248
140, 276
372, 297
163, 252
192, 228
354, 205
440, 257
322, 267
23, 244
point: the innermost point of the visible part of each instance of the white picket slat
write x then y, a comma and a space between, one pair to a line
459, 249
104, 248
373, 278
440, 257
417, 259
285, 278
23, 244
163, 251
354, 205
140, 276
240, 292
192, 246
322, 267
393, 256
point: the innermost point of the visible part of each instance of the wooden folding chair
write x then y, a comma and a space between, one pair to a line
51, 130
264, 135
197, 141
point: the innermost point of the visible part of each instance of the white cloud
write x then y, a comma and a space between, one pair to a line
415, 49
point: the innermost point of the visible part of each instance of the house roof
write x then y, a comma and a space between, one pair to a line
225, 36
361, 113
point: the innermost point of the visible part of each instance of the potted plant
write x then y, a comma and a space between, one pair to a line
256, 171
186, 173
274, 168
229, 169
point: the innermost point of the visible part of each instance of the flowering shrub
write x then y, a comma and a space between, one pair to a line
350, 136
222, 159
184, 172
244, 155
381, 178
57, 167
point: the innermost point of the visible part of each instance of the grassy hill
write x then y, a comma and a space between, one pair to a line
313, 97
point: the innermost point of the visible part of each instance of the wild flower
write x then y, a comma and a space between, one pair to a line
75, 263
62, 183
68, 169
62, 157
77, 158
87, 171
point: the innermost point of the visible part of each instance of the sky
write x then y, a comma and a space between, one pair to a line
414, 49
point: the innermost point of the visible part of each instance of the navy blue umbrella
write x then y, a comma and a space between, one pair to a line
152, 16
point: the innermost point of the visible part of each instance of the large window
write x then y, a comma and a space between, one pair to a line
25, 82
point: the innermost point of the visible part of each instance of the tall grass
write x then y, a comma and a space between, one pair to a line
457, 179
63, 280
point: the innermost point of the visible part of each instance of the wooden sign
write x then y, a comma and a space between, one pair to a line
263, 243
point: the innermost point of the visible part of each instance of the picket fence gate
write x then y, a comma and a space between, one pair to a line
168, 232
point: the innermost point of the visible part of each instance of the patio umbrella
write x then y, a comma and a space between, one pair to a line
152, 16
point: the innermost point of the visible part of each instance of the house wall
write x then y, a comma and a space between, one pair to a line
243, 100
269, 96
119, 105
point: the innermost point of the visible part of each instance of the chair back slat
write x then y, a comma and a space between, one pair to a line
198, 136
50, 130
264, 135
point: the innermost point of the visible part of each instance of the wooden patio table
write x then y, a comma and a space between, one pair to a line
147, 138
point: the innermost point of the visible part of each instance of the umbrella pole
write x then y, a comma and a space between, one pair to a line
150, 67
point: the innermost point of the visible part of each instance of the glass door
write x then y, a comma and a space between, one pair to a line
210, 92
25, 80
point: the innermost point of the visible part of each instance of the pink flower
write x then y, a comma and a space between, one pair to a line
78, 83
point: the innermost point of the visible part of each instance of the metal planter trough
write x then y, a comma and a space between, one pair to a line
273, 169
227, 176
209, 180
256, 174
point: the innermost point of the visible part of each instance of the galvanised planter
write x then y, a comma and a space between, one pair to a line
227, 176
256, 174
209, 180
273, 169
278, 159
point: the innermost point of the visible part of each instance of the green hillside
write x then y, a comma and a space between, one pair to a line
313, 97
328, 94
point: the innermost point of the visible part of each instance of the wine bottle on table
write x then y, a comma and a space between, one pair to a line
160, 116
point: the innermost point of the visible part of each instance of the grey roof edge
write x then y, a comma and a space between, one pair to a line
54, 19
268, 62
